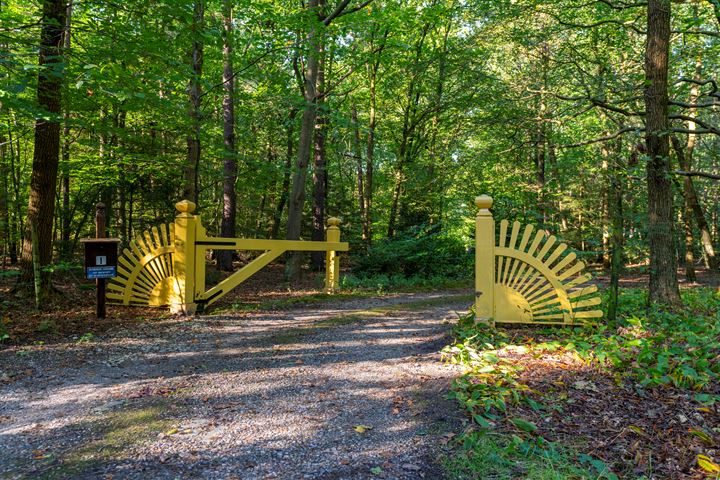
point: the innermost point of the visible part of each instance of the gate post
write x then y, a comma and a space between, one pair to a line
183, 301
332, 260
484, 262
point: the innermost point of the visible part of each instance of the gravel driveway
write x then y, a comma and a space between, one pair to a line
346, 390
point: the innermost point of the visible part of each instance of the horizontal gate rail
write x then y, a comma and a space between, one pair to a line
167, 266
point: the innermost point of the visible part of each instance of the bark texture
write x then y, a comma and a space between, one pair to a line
293, 266
190, 188
43, 181
661, 238
227, 227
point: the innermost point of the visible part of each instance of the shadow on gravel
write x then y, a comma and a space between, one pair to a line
150, 394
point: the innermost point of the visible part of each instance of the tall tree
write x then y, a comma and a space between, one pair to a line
661, 238
227, 229
41, 205
314, 39
190, 189
320, 177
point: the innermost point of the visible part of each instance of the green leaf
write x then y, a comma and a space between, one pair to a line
524, 425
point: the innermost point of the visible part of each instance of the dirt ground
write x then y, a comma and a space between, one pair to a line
351, 389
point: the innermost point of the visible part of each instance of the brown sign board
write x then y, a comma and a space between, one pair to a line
101, 257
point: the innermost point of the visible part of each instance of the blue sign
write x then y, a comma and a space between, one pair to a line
101, 272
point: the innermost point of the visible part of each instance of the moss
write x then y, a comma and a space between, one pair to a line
113, 434
424, 303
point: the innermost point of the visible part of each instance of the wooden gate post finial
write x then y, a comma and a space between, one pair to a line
484, 203
185, 207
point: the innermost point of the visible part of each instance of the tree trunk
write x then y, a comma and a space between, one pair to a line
4, 202
293, 267
692, 204
190, 188
43, 181
370, 151
357, 153
227, 228
319, 178
663, 261
65, 247
615, 212
370, 163
285, 187
15, 222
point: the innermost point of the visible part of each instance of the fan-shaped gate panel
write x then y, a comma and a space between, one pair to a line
145, 270
533, 279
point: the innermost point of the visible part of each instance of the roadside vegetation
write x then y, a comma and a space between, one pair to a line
635, 399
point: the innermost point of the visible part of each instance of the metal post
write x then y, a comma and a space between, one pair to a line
484, 261
332, 259
100, 282
183, 300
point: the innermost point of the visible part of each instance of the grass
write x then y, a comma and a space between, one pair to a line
502, 457
114, 433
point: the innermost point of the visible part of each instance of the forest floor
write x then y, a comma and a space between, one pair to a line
348, 389
286, 384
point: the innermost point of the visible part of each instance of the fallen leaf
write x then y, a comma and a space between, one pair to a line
701, 435
362, 428
445, 438
638, 430
376, 470
583, 385
707, 464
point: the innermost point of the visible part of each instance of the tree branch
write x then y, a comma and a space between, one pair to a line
709, 128
603, 139
712, 176
340, 10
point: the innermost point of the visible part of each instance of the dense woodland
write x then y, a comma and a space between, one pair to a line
597, 120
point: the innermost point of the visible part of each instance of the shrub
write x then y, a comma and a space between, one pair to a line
421, 251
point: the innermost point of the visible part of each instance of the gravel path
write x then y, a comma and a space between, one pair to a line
351, 390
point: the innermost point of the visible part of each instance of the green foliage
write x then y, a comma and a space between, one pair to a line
483, 455
384, 283
88, 337
650, 348
490, 382
420, 251
4, 331
654, 346
48, 326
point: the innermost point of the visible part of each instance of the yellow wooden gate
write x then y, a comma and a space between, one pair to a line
527, 282
166, 266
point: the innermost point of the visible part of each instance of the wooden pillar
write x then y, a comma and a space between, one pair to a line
100, 311
484, 262
183, 300
332, 259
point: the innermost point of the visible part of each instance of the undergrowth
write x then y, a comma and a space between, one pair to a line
647, 348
